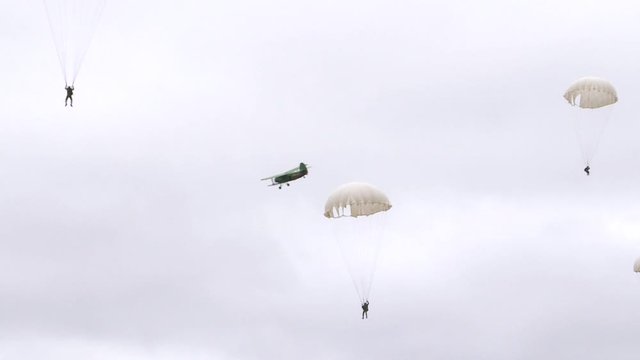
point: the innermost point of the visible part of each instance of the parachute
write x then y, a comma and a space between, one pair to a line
357, 211
72, 23
591, 98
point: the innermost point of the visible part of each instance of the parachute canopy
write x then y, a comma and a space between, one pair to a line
591, 93
73, 23
356, 199
636, 266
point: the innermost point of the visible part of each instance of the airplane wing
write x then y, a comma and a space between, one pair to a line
273, 178
295, 169
284, 173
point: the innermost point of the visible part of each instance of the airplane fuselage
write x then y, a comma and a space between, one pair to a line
290, 177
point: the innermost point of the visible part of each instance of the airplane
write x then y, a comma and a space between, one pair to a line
287, 176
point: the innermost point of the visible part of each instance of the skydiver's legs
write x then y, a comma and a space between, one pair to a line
68, 98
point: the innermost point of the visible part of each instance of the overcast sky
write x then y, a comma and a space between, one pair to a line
134, 225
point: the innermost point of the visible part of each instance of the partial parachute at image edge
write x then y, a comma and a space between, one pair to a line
73, 24
591, 93
356, 199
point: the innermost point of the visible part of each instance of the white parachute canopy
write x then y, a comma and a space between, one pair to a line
591, 98
73, 23
357, 211
591, 93
636, 266
356, 199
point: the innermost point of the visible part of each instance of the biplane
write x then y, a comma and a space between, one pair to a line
287, 176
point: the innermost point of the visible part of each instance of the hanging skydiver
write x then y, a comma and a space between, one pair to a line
587, 170
365, 309
69, 94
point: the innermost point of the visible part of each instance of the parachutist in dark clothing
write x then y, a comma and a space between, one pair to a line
365, 309
69, 95
587, 170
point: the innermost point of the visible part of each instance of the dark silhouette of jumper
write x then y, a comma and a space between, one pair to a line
365, 309
69, 95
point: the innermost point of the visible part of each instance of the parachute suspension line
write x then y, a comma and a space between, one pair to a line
72, 24
377, 239
599, 134
92, 18
355, 284
373, 269
360, 241
576, 131
588, 119
78, 57
58, 43
344, 250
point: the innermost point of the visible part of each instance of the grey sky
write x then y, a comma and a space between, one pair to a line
134, 226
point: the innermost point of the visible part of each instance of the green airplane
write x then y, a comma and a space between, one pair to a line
287, 176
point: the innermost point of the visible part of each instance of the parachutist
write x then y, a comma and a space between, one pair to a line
360, 237
593, 99
365, 309
69, 95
